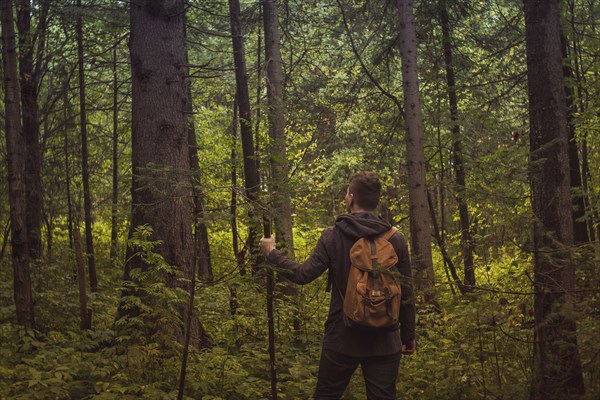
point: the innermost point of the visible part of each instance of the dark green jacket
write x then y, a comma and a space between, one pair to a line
333, 253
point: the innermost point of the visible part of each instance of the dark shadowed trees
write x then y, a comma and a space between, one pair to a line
31, 69
557, 367
85, 174
161, 191
15, 154
457, 156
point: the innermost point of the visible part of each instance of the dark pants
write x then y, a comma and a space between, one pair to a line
335, 371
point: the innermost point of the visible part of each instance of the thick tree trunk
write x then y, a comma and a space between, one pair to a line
459, 168
251, 179
15, 155
29, 80
557, 367
280, 195
161, 192
420, 220
85, 175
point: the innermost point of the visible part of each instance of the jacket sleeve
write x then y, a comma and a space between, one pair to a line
407, 307
310, 269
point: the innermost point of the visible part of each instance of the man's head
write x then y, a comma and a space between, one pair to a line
363, 192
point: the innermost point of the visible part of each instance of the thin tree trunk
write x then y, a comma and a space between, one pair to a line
85, 314
85, 176
233, 207
258, 86
271, 328
15, 149
447, 259
420, 220
190, 316
459, 168
202, 254
49, 238
200, 230
29, 80
251, 179
556, 367
66, 118
115, 162
579, 209
5, 238
582, 100
280, 196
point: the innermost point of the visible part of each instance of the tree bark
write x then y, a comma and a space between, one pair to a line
579, 210
115, 162
203, 258
85, 175
29, 79
233, 206
466, 240
420, 221
66, 117
556, 367
161, 191
280, 195
251, 179
85, 315
15, 149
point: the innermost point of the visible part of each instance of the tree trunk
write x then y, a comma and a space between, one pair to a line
29, 80
420, 221
85, 176
579, 210
459, 169
200, 230
115, 162
251, 179
280, 196
556, 367
85, 315
15, 149
280, 193
582, 98
203, 258
66, 117
160, 190
233, 206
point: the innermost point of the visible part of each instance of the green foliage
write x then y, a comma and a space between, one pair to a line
337, 122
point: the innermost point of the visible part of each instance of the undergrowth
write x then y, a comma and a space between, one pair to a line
473, 347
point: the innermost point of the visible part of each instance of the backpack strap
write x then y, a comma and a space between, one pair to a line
388, 235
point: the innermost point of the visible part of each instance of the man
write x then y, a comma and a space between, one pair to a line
345, 347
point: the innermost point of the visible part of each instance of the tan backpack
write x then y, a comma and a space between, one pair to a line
373, 293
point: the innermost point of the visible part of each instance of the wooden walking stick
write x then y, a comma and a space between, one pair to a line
270, 319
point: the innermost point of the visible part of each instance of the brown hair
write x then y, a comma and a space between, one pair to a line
366, 188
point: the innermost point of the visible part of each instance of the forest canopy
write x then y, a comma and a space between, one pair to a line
148, 145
